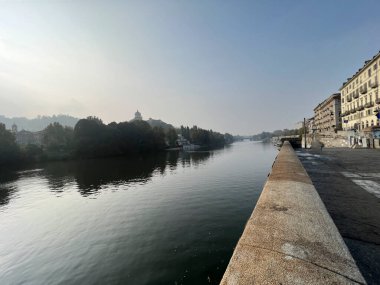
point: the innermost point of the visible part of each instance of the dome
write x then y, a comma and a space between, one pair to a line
138, 115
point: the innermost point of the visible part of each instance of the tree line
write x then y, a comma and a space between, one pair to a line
204, 137
91, 138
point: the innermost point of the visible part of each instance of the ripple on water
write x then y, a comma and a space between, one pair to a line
174, 218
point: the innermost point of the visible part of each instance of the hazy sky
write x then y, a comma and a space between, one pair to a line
231, 66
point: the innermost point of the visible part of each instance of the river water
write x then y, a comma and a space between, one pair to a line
172, 218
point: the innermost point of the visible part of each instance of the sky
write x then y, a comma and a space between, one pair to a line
231, 66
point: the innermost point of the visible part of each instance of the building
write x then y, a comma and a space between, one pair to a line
310, 125
25, 137
327, 115
138, 116
360, 97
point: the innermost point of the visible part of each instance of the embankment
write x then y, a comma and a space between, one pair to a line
290, 238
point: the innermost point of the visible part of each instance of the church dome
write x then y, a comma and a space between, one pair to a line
138, 115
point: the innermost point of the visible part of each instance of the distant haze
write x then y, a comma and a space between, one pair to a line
231, 66
39, 123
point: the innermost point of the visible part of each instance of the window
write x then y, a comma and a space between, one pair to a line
375, 66
372, 123
369, 72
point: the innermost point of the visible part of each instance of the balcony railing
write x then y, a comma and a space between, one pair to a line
360, 108
349, 98
369, 105
352, 110
373, 84
363, 89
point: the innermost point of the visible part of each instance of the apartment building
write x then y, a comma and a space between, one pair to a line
310, 125
360, 97
327, 115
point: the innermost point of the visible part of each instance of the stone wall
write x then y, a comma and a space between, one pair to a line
290, 238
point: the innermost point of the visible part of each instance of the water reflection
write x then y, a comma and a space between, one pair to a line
171, 226
89, 176
7, 190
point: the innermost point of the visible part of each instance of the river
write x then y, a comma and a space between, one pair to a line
172, 218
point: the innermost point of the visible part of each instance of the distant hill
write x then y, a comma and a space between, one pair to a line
39, 123
158, 123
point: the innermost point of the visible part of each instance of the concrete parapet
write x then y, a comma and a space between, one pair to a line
290, 238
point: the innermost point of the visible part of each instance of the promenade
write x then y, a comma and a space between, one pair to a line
348, 182
290, 238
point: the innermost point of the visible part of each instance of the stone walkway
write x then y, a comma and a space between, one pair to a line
348, 182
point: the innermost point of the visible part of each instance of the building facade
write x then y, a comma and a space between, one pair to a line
310, 125
25, 137
360, 97
327, 115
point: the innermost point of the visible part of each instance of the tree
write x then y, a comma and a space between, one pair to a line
171, 137
89, 137
9, 150
57, 138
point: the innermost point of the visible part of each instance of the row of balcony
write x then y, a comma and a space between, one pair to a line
360, 108
362, 90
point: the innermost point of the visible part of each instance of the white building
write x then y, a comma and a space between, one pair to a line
360, 97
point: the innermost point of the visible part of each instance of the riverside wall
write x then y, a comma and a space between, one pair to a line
290, 238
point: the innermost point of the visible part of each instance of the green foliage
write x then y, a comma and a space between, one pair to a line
202, 137
32, 152
228, 138
185, 132
9, 151
92, 138
58, 138
171, 136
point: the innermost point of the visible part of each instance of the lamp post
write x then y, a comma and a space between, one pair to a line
304, 129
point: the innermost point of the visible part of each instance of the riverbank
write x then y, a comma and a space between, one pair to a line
348, 182
290, 238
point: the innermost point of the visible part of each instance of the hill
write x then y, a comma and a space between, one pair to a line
39, 123
158, 123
